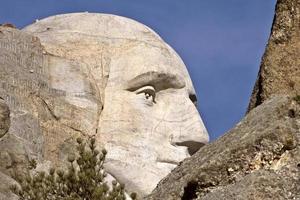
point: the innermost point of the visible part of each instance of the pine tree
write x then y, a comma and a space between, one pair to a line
83, 180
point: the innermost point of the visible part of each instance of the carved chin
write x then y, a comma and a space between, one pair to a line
139, 175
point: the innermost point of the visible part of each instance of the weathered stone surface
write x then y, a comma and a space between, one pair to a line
258, 159
4, 118
99, 75
5, 193
21, 137
280, 67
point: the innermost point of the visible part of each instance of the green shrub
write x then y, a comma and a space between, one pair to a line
83, 180
297, 99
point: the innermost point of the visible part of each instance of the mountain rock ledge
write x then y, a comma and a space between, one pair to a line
258, 159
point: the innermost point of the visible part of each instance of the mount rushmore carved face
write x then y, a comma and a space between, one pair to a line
133, 85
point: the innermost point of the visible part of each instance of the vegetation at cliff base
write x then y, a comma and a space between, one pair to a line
83, 180
297, 99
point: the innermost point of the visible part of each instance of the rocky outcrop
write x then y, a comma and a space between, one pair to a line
20, 138
280, 67
28, 126
258, 159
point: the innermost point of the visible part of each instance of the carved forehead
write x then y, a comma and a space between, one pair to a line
88, 37
129, 47
93, 24
146, 60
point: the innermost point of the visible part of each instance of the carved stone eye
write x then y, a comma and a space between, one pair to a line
148, 91
148, 95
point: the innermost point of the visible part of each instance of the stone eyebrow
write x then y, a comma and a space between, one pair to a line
159, 80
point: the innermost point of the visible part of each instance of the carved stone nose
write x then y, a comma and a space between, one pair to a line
193, 133
192, 146
194, 137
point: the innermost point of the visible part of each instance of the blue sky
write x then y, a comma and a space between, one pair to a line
220, 41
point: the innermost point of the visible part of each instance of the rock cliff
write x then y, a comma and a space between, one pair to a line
20, 57
259, 157
280, 67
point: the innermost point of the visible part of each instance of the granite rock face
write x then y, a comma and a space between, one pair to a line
280, 67
20, 124
258, 159
102, 76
